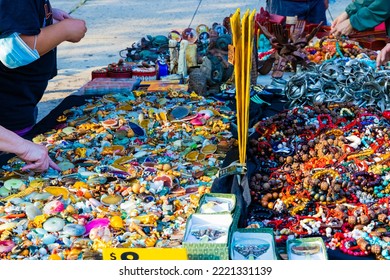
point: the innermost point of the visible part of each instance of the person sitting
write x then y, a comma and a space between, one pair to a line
362, 15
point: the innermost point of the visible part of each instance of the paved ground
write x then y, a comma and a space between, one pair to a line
114, 25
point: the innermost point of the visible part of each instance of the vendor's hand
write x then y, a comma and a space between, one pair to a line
383, 56
75, 28
59, 15
36, 157
343, 28
340, 18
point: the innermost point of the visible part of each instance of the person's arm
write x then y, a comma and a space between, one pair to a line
383, 56
369, 16
69, 29
36, 156
355, 5
351, 9
342, 28
342, 17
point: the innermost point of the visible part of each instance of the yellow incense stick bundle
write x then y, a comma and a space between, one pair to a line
243, 34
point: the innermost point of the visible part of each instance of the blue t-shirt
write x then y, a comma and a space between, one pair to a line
22, 88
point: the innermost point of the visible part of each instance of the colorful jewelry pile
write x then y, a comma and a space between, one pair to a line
133, 167
324, 171
329, 48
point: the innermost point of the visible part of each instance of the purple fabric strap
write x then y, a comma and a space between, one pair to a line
23, 131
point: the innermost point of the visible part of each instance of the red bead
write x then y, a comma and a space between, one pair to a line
386, 114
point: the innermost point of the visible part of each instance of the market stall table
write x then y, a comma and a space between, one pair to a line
133, 168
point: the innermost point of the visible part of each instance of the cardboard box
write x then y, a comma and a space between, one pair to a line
102, 86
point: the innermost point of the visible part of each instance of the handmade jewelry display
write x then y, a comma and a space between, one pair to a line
253, 244
127, 177
347, 80
323, 171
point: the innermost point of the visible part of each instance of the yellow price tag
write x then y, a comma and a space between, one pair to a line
144, 254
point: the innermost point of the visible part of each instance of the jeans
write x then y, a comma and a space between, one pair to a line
313, 11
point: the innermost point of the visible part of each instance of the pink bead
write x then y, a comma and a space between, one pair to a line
102, 222
6, 246
53, 207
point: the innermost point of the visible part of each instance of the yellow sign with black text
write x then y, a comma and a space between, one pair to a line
142, 254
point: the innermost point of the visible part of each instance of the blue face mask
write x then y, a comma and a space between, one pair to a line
14, 52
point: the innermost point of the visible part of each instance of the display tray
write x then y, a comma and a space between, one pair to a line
207, 236
218, 249
253, 244
216, 203
115, 84
311, 248
372, 39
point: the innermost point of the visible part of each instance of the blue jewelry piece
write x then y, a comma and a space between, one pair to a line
385, 254
74, 229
